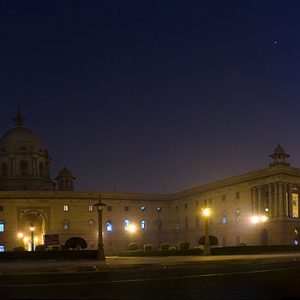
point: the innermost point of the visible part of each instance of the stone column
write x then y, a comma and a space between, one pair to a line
275, 214
280, 199
255, 207
252, 200
259, 199
284, 199
271, 201
290, 201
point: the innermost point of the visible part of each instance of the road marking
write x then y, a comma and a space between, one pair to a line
145, 279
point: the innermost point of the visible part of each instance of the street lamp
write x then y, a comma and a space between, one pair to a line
206, 212
32, 237
100, 250
132, 229
259, 219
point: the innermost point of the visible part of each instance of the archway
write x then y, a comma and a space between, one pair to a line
32, 229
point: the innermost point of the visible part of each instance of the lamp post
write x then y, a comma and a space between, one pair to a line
31, 228
206, 212
100, 249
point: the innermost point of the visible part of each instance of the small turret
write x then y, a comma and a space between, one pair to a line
65, 180
279, 157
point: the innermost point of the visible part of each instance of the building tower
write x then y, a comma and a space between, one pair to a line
65, 180
24, 162
279, 157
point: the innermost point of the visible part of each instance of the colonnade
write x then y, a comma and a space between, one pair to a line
275, 199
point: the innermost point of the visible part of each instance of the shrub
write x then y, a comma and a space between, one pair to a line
183, 245
164, 246
148, 247
41, 248
19, 249
213, 240
172, 248
76, 243
133, 247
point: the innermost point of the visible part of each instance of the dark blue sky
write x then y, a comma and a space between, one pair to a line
153, 96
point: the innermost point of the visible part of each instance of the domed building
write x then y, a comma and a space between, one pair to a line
24, 162
261, 207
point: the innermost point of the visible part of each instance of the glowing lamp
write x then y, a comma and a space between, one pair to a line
206, 212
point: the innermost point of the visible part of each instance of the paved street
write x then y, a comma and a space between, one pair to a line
112, 263
273, 276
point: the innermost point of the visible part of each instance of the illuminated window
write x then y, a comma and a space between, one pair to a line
108, 225
224, 218
91, 207
2, 248
126, 224
65, 207
143, 207
2, 226
177, 226
295, 200
143, 224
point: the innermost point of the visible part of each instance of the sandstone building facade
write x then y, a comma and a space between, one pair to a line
256, 208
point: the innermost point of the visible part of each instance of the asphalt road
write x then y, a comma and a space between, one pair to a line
212, 280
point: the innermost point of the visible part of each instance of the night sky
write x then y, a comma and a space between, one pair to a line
153, 96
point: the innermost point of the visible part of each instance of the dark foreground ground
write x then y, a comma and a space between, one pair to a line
258, 277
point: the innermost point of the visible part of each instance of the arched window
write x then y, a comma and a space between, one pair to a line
2, 228
143, 224
23, 168
42, 170
2, 248
126, 224
4, 170
224, 218
109, 225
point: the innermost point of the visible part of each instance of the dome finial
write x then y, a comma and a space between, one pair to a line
19, 119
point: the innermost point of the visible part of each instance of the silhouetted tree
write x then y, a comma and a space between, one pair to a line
213, 240
76, 243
